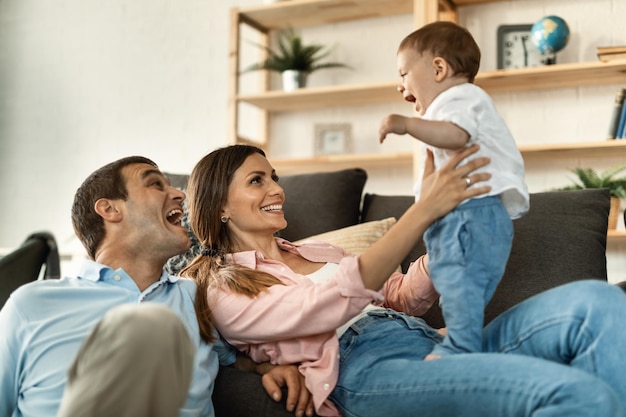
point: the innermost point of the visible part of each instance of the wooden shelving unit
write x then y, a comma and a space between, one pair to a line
302, 13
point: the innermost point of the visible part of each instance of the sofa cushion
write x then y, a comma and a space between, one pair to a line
381, 206
239, 393
561, 239
320, 202
177, 180
358, 238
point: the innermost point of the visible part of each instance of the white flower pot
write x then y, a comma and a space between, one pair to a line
294, 79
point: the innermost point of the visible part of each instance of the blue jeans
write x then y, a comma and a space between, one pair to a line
467, 253
559, 353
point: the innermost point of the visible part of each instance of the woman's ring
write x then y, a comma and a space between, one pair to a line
468, 182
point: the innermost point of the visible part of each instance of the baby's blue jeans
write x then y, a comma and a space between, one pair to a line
467, 253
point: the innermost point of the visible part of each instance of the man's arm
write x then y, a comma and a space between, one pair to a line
275, 377
9, 329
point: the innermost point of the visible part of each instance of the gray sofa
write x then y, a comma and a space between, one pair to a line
561, 239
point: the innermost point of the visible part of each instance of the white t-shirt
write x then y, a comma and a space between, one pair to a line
471, 108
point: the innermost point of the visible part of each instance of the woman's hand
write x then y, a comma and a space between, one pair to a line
275, 377
299, 399
444, 189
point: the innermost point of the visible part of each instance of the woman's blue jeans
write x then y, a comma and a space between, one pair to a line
559, 353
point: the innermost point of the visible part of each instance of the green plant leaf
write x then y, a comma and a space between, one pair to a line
292, 54
590, 178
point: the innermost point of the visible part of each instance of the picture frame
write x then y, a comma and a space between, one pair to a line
333, 139
515, 48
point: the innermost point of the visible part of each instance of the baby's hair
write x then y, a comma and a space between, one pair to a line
449, 41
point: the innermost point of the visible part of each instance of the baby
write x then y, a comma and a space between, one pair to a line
468, 249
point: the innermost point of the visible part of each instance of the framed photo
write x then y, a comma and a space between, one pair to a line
516, 49
333, 139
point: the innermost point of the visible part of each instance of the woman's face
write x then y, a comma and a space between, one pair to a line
254, 205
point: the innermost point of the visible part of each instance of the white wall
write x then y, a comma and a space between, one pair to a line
83, 82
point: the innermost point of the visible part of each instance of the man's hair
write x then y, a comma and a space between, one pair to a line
106, 182
449, 41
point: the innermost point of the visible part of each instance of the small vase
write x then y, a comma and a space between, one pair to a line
294, 79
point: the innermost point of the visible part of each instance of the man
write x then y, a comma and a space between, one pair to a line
121, 338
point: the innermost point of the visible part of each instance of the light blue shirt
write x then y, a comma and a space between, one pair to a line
44, 323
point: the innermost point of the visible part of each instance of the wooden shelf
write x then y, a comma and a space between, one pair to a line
573, 150
616, 236
319, 12
470, 2
322, 97
365, 161
337, 162
304, 13
526, 79
553, 76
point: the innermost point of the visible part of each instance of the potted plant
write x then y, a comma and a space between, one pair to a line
294, 60
590, 178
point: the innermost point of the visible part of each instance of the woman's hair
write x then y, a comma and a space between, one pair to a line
207, 193
451, 42
105, 182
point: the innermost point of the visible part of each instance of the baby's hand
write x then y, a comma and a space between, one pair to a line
394, 123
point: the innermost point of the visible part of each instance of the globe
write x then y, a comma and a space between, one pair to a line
550, 34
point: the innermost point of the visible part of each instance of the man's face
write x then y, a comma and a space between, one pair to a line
153, 213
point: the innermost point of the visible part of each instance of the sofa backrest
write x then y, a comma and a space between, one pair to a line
321, 202
561, 239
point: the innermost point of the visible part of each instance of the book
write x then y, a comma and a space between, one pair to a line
621, 124
605, 50
616, 113
612, 57
611, 53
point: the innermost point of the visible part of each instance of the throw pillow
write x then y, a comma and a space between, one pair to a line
358, 238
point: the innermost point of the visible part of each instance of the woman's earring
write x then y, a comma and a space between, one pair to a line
224, 219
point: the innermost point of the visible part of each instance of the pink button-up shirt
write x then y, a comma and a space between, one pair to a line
296, 322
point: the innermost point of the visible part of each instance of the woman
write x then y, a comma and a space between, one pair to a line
338, 315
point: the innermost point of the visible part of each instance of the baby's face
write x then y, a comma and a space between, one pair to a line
417, 75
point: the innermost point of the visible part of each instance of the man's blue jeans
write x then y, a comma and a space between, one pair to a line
467, 253
559, 353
